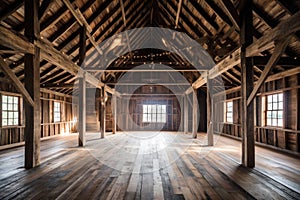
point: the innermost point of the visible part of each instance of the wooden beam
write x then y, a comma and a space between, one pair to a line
283, 61
210, 134
247, 112
283, 30
32, 84
20, 44
11, 9
82, 111
44, 8
102, 112
278, 51
82, 21
15, 81
178, 13
195, 114
82, 45
123, 12
231, 12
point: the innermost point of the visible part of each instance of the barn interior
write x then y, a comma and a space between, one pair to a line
122, 99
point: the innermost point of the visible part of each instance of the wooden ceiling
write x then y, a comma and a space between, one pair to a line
212, 23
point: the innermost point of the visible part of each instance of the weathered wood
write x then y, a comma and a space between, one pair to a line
12, 8
178, 13
282, 30
210, 134
114, 106
82, 45
195, 114
102, 112
82, 111
16, 82
278, 51
231, 12
186, 114
32, 85
247, 112
123, 12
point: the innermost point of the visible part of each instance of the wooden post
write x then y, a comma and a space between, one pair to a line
195, 113
114, 109
82, 111
247, 112
102, 113
32, 85
186, 114
210, 134
82, 90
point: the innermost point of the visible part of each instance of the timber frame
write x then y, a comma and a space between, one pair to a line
252, 45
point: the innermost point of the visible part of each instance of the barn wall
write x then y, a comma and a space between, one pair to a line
286, 137
15, 134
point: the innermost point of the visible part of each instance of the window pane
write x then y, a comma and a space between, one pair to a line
269, 114
274, 122
10, 122
153, 117
144, 108
163, 109
280, 97
149, 118
4, 122
163, 118
10, 115
149, 108
153, 109
16, 100
4, 99
280, 105
269, 122
10, 99
4, 106
270, 106
280, 122
159, 118
9, 106
280, 114
275, 106
4, 114
275, 98
269, 99
158, 108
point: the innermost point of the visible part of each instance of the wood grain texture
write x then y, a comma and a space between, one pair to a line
141, 169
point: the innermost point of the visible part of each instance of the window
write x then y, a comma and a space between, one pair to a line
56, 112
154, 113
10, 110
274, 110
229, 111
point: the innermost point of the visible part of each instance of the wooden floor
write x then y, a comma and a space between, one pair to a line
147, 166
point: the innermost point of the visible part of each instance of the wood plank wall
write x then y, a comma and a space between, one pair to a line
286, 137
15, 134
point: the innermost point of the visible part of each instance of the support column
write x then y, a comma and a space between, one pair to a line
102, 112
82, 111
32, 85
247, 112
210, 134
186, 114
114, 109
195, 114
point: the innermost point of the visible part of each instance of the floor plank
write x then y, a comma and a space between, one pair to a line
143, 165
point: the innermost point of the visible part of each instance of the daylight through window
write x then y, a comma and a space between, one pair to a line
56, 112
154, 113
10, 110
229, 111
274, 110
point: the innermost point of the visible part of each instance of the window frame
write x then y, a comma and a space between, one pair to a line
13, 110
226, 112
56, 112
149, 114
279, 101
